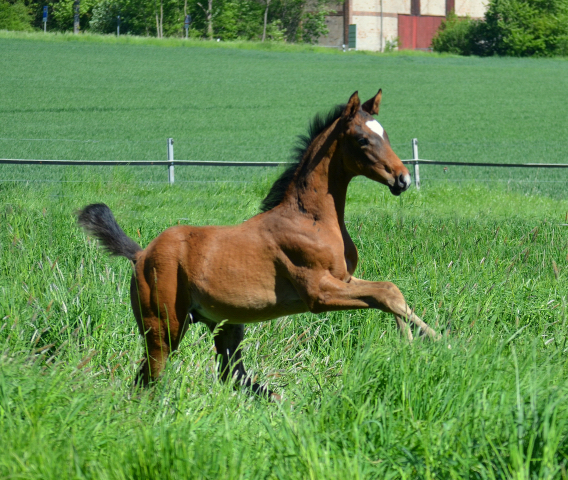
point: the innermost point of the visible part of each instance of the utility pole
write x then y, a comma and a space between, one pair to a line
382, 36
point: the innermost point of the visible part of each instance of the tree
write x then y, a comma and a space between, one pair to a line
76, 16
209, 17
138, 17
302, 21
265, 20
276, 20
14, 16
511, 27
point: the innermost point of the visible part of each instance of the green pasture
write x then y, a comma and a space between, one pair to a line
484, 262
96, 98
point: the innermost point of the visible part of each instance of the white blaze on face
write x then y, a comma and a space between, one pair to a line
376, 127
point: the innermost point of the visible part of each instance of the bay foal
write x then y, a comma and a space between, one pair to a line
295, 256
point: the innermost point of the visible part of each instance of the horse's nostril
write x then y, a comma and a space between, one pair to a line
404, 181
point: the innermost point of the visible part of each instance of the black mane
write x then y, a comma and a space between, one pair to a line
318, 124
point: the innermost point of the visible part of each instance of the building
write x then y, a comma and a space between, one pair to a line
376, 24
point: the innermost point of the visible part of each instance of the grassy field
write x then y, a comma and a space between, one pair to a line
78, 99
484, 263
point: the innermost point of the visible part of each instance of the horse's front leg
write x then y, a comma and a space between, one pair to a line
329, 293
228, 338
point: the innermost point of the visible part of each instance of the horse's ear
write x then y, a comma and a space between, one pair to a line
371, 106
352, 107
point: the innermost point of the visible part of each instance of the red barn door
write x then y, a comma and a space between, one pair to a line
416, 31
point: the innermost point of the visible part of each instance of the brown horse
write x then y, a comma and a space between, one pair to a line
296, 256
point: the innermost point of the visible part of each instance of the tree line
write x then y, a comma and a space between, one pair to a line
275, 20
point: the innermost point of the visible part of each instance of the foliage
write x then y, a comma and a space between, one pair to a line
314, 25
457, 35
510, 27
61, 14
526, 27
238, 19
14, 16
275, 31
300, 20
289, 13
289, 20
391, 45
137, 17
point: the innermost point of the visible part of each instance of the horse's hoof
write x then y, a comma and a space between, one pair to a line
274, 397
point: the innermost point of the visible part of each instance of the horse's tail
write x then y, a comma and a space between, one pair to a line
98, 220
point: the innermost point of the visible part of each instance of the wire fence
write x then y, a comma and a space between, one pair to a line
171, 163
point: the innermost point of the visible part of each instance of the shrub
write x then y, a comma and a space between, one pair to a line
391, 45
527, 27
275, 31
457, 35
314, 26
14, 16
511, 27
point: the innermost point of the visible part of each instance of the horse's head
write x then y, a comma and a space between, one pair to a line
366, 146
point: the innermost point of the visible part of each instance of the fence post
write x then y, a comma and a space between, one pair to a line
416, 165
171, 160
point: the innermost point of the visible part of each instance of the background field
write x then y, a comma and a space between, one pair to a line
483, 261
79, 100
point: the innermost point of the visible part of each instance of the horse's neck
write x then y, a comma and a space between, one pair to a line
321, 192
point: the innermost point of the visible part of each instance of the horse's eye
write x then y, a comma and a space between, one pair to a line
363, 141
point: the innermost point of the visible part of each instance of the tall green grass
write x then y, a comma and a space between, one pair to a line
488, 401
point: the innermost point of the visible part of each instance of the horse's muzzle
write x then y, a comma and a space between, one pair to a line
401, 184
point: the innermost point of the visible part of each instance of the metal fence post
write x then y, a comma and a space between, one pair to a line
171, 160
416, 165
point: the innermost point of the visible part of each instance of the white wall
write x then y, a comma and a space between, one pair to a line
473, 8
433, 7
369, 31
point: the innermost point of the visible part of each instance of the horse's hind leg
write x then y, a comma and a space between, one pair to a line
156, 351
159, 327
227, 341
154, 360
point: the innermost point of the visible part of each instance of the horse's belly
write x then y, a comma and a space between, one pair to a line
245, 315
249, 305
